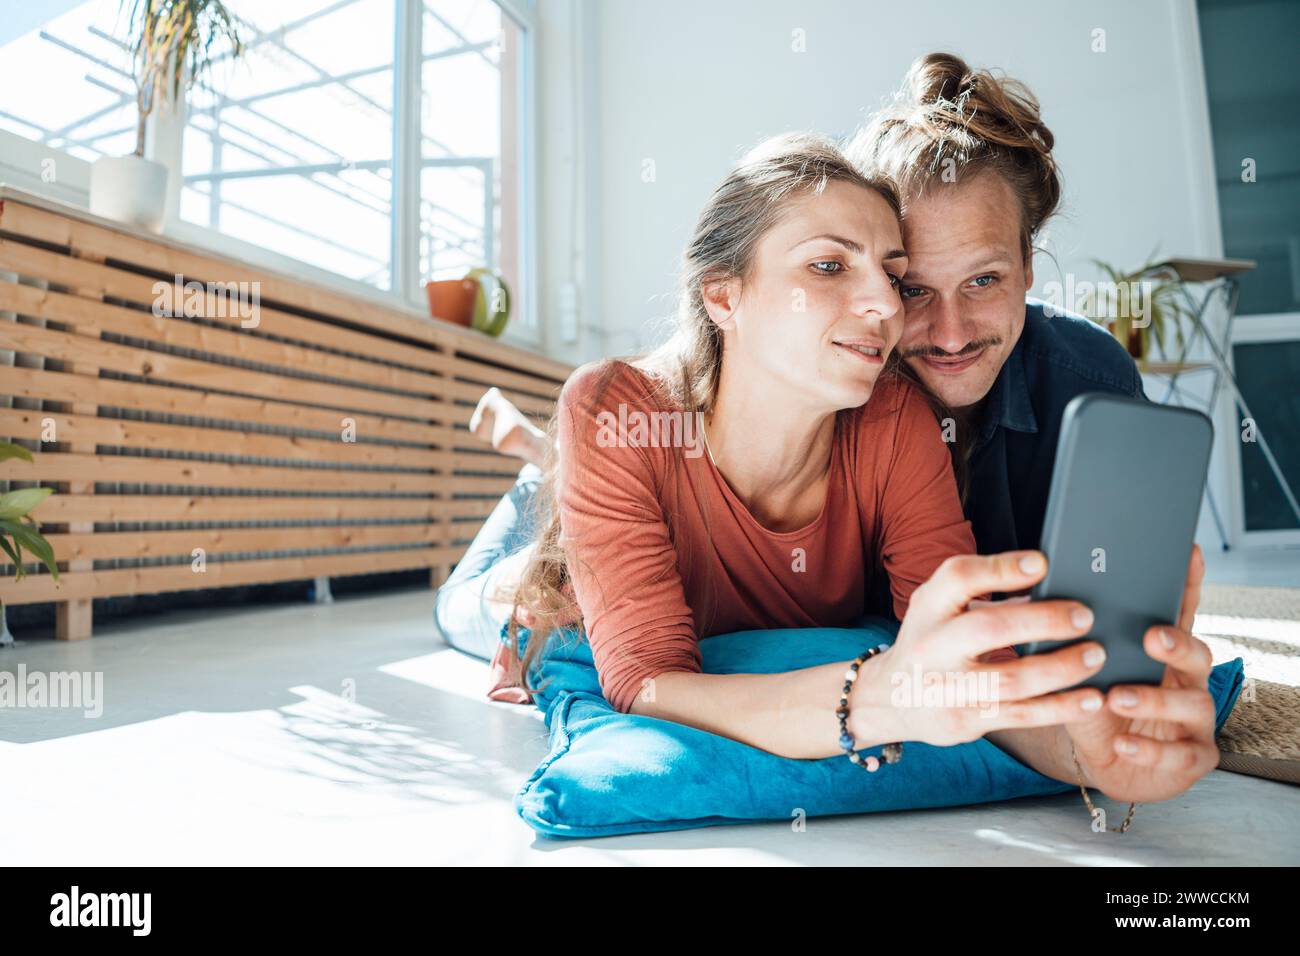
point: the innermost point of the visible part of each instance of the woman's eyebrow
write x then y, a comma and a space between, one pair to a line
848, 244
894, 254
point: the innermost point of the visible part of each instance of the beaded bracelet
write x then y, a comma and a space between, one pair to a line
892, 752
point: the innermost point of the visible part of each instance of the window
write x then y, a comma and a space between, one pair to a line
86, 100
1267, 373
469, 169
291, 148
1253, 85
379, 140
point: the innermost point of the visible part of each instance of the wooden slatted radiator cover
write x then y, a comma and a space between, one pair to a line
220, 434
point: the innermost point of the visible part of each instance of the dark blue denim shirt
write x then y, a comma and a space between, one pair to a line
1057, 358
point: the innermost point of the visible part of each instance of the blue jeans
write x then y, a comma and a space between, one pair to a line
463, 608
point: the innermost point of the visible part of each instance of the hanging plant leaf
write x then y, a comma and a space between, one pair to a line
10, 450
15, 504
28, 537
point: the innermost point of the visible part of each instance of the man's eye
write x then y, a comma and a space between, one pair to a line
982, 284
835, 266
910, 291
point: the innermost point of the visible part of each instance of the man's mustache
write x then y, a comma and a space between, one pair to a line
930, 351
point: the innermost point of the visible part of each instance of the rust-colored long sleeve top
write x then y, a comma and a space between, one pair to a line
662, 553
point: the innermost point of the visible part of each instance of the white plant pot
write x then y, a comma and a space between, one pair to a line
130, 190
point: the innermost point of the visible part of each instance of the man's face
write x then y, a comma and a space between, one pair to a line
964, 290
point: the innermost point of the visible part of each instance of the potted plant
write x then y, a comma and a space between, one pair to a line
18, 530
481, 300
174, 42
1144, 306
1141, 309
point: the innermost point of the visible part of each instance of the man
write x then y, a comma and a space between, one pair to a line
975, 165
973, 161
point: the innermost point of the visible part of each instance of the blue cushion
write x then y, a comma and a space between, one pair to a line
610, 773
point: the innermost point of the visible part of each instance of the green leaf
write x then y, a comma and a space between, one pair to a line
9, 450
15, 504
16, 556
33, 541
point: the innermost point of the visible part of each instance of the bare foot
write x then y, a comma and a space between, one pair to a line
499, 423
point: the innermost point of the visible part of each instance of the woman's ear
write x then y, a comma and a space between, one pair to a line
721, 297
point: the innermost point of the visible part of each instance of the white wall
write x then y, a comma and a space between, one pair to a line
691, 84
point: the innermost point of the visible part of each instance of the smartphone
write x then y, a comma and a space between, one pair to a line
1120, 523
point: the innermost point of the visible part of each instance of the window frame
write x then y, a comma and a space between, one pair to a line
408, 163
1247, 328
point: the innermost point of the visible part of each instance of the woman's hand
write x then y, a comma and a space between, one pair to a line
942, 641
1160, 744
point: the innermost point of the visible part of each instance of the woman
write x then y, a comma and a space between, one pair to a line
739, 478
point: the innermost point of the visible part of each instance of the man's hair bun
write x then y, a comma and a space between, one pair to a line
949, 122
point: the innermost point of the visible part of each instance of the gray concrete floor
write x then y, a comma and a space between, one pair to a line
349, 734
1257, 567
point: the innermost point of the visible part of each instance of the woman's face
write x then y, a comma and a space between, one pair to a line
820, 310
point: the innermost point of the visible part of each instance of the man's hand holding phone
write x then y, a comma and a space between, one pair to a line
1151, 743
950, 629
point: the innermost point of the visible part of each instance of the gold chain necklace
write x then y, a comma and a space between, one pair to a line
1088, 800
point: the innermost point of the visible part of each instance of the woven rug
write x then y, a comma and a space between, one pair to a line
1262, 626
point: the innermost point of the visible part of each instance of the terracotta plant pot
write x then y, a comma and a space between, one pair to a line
452, 300
1135, 343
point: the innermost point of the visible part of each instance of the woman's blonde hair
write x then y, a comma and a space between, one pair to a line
949, 122
686, 368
